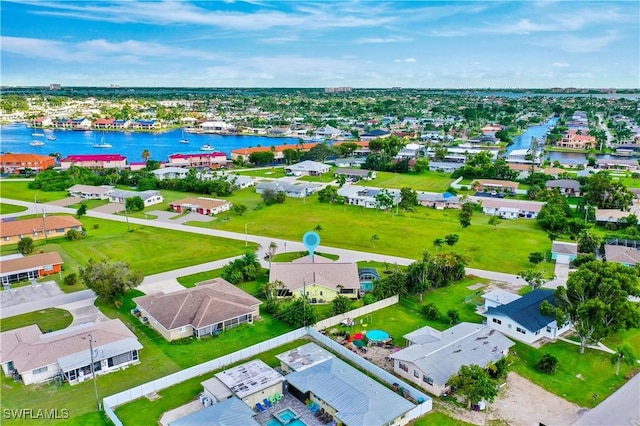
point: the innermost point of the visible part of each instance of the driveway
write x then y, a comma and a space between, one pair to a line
84, 311
110, 208
30, 293
65, 202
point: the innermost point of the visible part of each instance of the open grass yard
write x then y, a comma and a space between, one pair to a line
427, 181
21, 191
293, 255
50, 319
505, 249
273, 172
630, 337
10, 208
578, 377
438, 418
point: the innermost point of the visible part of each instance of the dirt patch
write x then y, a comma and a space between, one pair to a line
510, 287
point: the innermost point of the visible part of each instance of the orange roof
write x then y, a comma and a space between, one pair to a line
27, 226
19, 158
30, 262
363, 144
279, 148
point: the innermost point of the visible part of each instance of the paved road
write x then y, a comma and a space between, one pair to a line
48, 302
620, 409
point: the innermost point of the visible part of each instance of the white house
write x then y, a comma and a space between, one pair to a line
149, 197
522, 320
434, 356
366, 197
307, 168
295, 190
170, 173
511, 209
91, 192
411, 150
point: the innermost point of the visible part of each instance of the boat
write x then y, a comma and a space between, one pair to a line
184, 140
36, 142
51, 138
102, 144
37, 135
206, 147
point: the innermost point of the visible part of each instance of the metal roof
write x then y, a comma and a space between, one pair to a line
526, 310
230, 412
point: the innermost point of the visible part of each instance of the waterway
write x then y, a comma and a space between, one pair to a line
16, 138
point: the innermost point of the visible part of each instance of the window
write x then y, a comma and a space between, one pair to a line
60, 230
521, 330
183, 329
548, 329
428, 380
320, 293
7, 238
403, 366
416, 374
48, 268
39, 370
497, 321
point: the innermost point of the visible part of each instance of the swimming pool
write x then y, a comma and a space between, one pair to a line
377, 335
286, 415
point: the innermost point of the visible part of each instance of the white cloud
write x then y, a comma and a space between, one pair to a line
560, 64
405, 60
575, 44
374, 40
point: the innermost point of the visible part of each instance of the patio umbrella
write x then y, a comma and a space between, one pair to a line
359, 343
358, 336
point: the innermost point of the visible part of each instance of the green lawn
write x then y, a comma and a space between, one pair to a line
407, 234
274, 172
21, 191
427, 181
10, 208
47, 320
145, 412
578, 377
293, 255
437, 418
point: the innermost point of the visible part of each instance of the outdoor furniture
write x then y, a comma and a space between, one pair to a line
272, 399
260, 407
267, 403
278, 397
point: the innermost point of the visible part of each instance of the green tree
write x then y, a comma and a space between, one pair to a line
262, 157
146, 155
329, 194
340, 304
474, 383
71, 279
318, 228
554, 214
109, 280
588, 241
535, 279
270, 196
384, 199
82, 210
300, 313
438, 242
596, 301
536, 257
25, 245
624, 353
494, 221
451, 239
464, 218
134, 203
239, 209
454, 316
408, 199
604, 193
431, 312
74, 235
548, 364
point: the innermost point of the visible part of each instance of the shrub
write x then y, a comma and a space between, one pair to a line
548, 364
96, 226
74, 235
71, 279
454, 316
340, 305
25, 245
430, 310
368, 299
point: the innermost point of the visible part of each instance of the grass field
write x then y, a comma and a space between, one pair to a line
47, 320
10, 208
440, 419
274, 172
428, 181
21, 191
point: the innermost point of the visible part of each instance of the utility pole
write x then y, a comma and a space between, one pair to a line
44, 224
93, 371
126, 214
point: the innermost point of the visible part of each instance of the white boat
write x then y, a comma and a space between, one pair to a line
51, 138
36, 142
102, 144
184, 140
207, 147
36, 134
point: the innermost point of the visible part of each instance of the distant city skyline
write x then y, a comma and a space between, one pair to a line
366, 44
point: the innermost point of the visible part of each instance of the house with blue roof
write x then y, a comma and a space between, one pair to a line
521, 319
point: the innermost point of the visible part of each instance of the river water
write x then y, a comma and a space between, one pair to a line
16, 138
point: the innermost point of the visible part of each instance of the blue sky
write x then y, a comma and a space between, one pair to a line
445, 44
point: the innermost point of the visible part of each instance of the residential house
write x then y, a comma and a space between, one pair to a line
628, 256
488, 185
374, 134
80, 124
491, 129
37, 357
574, 139
104, 123
610, 215
366, 197
144, 124
563, 252
522, 320
208, 160
121, 124
252, 382
356, 174
228, 412
319, 278
149, 197
202, 205
307, 168
567, 187
616, 164
410, 151
362, 149
170, 173
439, 201
278, 153
442, 166
511, 209
91, 192
18, 267
295, 190
350, 396
628, 149
327, 132
21, 163
38, 228
497, 297
279, 132
237, 181
42, 122
208, 308
217, 127
523, 156
433, 356
95, 161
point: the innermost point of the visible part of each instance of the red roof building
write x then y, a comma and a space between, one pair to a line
18, 163
95, 161
212, 160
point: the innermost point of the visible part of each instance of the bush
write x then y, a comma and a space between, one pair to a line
454, 316
548, 364
430, 310
368, 299
71, 279
25, 245
74, 235
96, 226
340, 305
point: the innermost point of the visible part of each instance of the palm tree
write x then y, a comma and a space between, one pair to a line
374, 238
272, 251
318, 228
438, 242
146, 155
625, 353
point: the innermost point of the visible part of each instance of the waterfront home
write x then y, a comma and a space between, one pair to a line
42, 122
104, 123
567, 187
207, 160
17, 267
170, 173
91, 192
628, 149
216, 127
279, 131
95, 161
307, 168
36, 357
572, 139
37, 228
327, 132
279, 150
144, 124
522, 320
355, 174
202, 205
629, 256
491, 129
121, 124
366, 197
511, 209
210, 307
295, 190
80, 124
616, 164
321, 279
433, 356
523, 156
21, 163
149, 197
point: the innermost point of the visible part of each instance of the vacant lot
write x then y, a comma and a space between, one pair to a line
428, 181
21, 191
10, 208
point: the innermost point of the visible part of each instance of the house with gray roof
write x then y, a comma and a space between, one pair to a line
356, 174
229, 412
295, 190
437, 201
170, 173
36, 357
91, 192
522, 320
443, 166
621, 254
563, 252
307, 168
252, 381
366, 197
208, 308
434, 356
149, 197
567, 187
348, 395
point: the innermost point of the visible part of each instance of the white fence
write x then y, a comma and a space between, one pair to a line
129, 395
380, 373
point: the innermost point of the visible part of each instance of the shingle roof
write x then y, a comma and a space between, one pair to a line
29, 262
564, 183
19, 158
526, 310
91, 189
208, 303
330, 275
27, 226
564, 248
622, 254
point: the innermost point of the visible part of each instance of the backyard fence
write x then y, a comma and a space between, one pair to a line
365, 310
